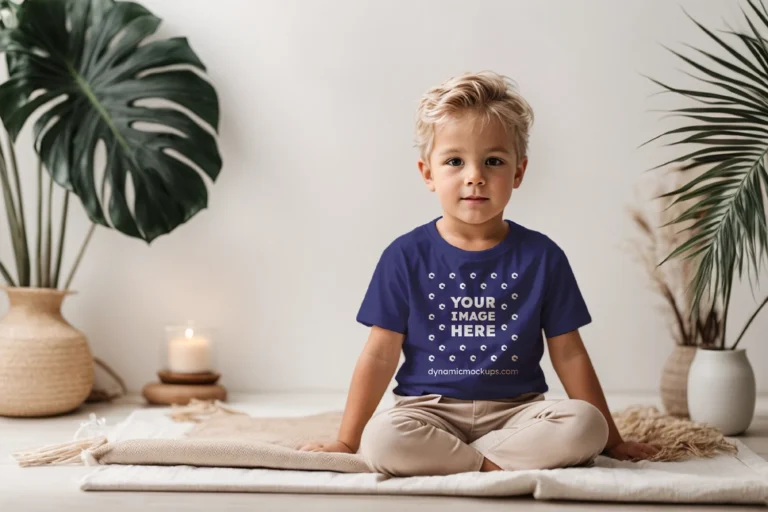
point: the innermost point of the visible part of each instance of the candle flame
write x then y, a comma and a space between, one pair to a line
188, 333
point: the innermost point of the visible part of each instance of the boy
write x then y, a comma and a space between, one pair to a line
466, 298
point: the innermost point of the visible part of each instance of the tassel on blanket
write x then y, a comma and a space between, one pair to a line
56, 454
675, 437
77, 451
198, 410
90, 435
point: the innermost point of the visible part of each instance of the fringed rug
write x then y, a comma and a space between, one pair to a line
213, 447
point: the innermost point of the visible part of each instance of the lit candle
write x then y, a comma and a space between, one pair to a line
190, 354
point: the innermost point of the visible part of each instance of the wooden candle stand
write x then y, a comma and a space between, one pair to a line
180, 388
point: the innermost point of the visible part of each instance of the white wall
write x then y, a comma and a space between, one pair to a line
318, 99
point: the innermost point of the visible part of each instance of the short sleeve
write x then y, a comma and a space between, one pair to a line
564, 309
386, 301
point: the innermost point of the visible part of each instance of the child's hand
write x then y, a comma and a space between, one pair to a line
631, 450
334, 446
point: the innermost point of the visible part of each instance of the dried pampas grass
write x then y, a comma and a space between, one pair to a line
676, 438
655, 241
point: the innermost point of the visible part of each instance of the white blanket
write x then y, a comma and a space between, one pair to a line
722, 479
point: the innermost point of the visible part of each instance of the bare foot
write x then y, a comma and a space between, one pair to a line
489, 466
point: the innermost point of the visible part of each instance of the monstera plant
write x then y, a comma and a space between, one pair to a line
93, 75
85, 70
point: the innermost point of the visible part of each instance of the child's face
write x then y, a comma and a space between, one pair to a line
473, 169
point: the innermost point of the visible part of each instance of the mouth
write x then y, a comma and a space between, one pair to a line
475, 199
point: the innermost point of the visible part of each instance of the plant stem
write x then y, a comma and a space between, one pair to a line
13, 221
744, 330
39, 259
726, 306
79, 256
48, 236
667, 293
8, 279
725, 320
25, 281
62, 230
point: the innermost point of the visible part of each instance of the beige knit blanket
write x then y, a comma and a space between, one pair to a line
233, 440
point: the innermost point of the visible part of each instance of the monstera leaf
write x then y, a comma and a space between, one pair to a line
85, 68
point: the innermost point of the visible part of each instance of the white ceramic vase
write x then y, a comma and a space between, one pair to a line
722, 390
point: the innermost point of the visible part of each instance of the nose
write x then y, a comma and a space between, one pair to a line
473, 176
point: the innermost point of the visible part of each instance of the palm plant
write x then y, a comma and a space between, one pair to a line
85, 68
728, 128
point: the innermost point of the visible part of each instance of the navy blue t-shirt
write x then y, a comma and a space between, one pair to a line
473, 320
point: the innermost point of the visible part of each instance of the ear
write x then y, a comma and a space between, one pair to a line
426, 174
520, 172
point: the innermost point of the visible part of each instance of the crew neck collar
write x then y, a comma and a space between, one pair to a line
463, 254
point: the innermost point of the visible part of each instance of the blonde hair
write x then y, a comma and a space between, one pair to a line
486, 93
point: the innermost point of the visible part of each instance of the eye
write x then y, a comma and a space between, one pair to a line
454, 162
493, 161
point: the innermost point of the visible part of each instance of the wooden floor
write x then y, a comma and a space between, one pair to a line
55, 488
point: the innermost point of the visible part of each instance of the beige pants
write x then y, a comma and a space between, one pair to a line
437, 435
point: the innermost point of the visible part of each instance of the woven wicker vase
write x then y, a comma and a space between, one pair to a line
674, 381
46, 367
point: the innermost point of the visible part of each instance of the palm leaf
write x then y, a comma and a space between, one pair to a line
728, 138
88, 67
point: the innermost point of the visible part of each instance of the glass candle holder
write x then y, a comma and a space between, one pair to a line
189, 349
